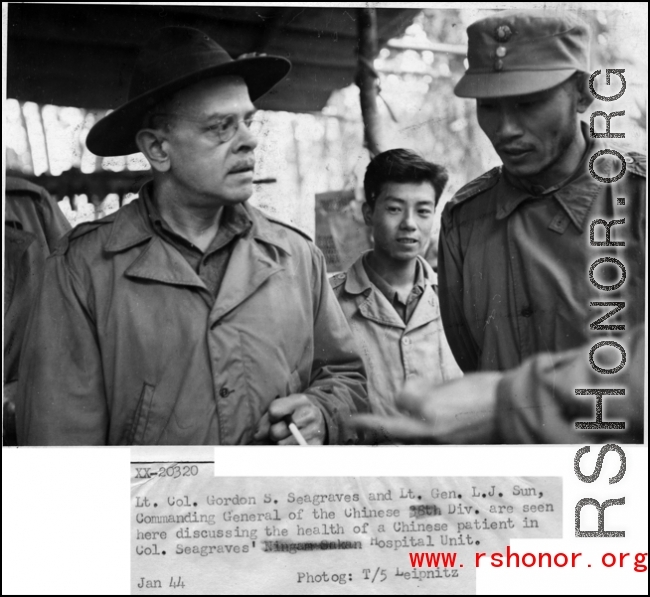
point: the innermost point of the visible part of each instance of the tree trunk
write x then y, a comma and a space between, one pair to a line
366, 78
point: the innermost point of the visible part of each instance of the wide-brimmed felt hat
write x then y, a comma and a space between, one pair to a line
521, 52
174, 58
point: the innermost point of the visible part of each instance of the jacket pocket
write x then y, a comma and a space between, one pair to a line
141, 417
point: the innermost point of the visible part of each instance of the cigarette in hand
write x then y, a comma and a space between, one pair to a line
296, 434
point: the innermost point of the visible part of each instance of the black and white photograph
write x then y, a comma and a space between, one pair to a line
247, 225
393, 226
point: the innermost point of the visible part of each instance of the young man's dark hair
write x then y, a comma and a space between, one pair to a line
401, 165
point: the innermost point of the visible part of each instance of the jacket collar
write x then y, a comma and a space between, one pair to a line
576, 195
160, 261
266, 231
132, 226
12, 216
357, 280
373, 305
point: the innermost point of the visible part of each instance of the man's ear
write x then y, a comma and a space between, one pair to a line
152, 144
367, 211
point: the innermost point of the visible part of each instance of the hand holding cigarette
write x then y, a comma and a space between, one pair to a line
292, 420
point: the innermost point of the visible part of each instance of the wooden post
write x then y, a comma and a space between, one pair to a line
366, 78
45, 147
296, 150
23, 122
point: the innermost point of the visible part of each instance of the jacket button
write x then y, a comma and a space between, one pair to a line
526, 312
225, 392
406, 341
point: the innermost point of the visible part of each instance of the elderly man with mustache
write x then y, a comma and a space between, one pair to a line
188, 316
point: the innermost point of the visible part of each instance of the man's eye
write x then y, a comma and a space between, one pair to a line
223, 126
393, 210
425, 212
527, 104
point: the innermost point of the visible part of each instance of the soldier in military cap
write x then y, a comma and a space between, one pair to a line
515, 247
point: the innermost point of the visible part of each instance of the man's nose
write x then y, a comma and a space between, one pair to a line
508, 126
244, 139
408, 221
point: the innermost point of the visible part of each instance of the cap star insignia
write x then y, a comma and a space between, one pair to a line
502, 33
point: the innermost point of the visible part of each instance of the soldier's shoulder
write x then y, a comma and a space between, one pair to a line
635, 162
337, 280
474, 188
15, 184
281, 233
287, 226
86, 232
611, 155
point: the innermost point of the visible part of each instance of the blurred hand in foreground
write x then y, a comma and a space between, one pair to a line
459, 412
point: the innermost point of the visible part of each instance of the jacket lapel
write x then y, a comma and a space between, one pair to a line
163, 263
158, 261
377, 308
426, 311
428, 307
371, 303
248, 268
